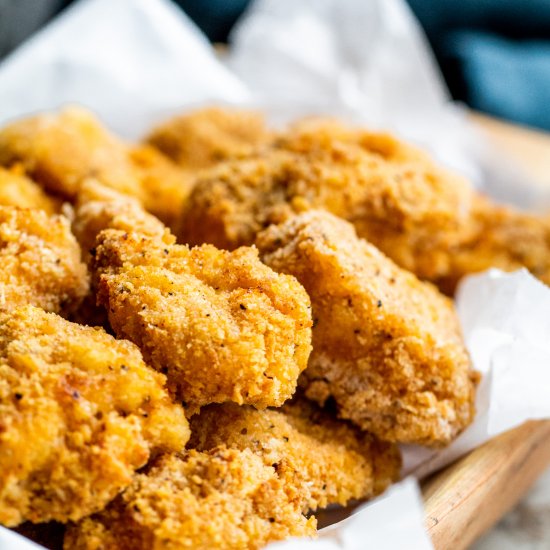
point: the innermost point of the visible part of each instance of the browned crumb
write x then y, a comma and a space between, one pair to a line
221, 325
222, 498
504, 238
393, 195
79, 413
164, 185
18, 190
61, 150
205, 137
40, 261
386, 346
326, 460
99, 207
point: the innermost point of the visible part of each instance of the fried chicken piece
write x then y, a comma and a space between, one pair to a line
40, 261
222, 498
395, 197
61, 150
326, 460
504, 238
386, 346
221, 325
18, 190
79, 413
202, 138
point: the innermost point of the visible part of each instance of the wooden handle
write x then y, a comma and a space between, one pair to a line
467, 498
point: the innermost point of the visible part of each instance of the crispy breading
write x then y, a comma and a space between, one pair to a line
395, 197
326, 460
205, 137
79, 413
18, 190
221, 325
223, 498
501, 237
164, 185
61, 150
40, 261
99, 207
386, 346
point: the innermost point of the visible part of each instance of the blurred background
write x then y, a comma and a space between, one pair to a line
494, 54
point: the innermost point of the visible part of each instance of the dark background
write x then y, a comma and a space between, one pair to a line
494, 54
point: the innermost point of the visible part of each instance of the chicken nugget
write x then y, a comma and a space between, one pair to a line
205, 137
223, 498
18, 190
222, 325
61, 150
79, 413
40, 261
386, 346
404, 204
326, 460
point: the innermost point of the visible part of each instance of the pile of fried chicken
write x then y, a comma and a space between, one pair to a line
208, 336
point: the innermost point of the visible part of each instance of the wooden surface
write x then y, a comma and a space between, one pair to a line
466, 499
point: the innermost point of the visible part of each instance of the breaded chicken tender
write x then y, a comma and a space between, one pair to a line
396, 198
386, 346
18, 190
79, 413
223, 498
61, 150
202, 138
221, 325
326, 460
39, 262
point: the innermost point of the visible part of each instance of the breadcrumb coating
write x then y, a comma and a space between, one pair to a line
99, 207
222, 498
202, 138
386, 346
504, 238
79, 413
395, 197
18, 190
61, 150
221, 325
40, 262
326, 460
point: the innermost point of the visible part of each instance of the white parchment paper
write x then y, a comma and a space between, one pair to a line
135, 62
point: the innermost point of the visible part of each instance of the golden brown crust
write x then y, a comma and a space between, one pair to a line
222, 325
327, 461
393, 195
61, 150
79, 413
500, 237
202, 138
223, 498
18, 190
386, 346
40, 262
99, 207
